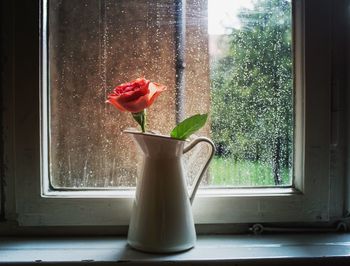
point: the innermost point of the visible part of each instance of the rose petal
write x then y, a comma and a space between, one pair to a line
155, 89
137, 105
133, 95
113, 100
130, 86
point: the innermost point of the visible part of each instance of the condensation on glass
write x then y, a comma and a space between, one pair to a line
238, 68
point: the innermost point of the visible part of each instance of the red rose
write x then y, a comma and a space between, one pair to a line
135, 96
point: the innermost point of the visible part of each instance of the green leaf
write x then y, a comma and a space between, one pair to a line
189, 126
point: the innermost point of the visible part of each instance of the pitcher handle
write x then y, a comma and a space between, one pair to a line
200, 176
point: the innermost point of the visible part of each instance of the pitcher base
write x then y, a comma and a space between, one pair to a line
158, 249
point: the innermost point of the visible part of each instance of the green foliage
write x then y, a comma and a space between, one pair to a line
252, 113
247, 173
189, 126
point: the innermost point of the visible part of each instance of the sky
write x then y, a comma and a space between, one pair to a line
223, 13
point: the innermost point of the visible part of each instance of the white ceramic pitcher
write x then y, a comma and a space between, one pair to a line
161, 219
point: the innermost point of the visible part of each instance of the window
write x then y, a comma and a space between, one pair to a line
249, 91
64, 100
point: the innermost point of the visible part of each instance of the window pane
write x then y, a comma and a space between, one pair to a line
252, 92
94, 46
240, 69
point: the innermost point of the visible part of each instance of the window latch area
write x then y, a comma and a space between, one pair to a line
341, 226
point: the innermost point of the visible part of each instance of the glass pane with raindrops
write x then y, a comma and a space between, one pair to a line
237, 67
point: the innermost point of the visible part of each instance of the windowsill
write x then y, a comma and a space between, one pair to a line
210, 249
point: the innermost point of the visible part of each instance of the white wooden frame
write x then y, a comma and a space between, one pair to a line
308, 201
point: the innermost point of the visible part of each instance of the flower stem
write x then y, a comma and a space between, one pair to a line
140, 118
